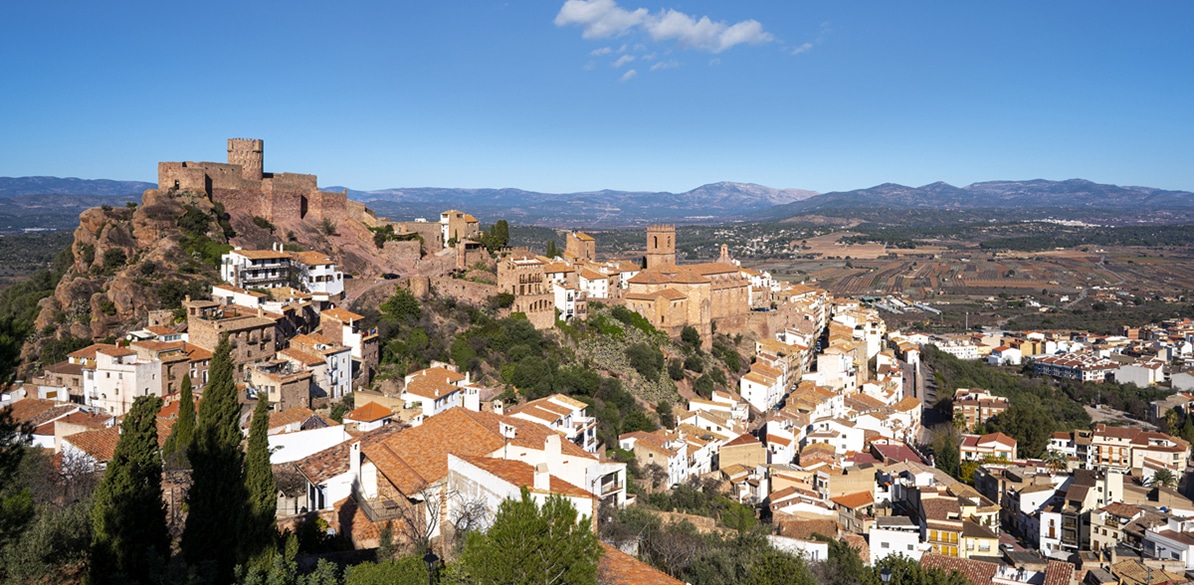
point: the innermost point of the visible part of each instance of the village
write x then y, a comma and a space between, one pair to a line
828, 431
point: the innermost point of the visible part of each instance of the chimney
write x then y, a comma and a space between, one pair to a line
542, 478
551, 449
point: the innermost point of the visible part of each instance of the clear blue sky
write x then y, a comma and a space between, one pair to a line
556, 96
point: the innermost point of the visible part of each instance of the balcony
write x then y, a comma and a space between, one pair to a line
377, 509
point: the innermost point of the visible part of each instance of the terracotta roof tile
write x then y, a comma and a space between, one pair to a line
975, 571
521, 474
369, 412
619, 568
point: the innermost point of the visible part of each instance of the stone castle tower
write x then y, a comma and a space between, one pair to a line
661, 245
249, 153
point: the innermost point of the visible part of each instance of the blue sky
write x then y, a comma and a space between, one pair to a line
583, 95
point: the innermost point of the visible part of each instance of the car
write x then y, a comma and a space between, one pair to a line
1008, 547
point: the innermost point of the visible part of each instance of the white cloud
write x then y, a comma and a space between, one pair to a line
631, 74
624, 59
806, 47
601, 51
669, 64
600, 18
591, 65
648, 57
604, 18
714, 62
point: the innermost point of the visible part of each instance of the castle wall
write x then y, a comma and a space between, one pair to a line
433, 233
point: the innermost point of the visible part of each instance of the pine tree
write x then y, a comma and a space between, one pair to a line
501, 233
528, 543
217, 500
261, 523
129, 517
183, 431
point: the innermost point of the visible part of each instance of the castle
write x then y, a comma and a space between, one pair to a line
243, 187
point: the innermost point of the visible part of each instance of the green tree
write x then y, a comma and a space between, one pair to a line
646, 359
501, 233
690, 336
386, 572
531, 544
217, 498
16, 500
403, 306
773, 567
261, 522
1163, 477
945, 449
175, 451
552, 250
128, 521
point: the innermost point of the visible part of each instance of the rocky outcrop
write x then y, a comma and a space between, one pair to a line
130, 260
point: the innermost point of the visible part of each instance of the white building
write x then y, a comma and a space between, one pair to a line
569, 301
434, 390
564, 415
117, 377
762, 387
895, 535
311, 271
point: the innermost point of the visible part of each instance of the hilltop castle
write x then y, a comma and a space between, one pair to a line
242, 186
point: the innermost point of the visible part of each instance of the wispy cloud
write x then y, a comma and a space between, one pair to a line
624, 59
631, 74
669, 64
806, 47
600, 18
601, 51
604, 18
714, 62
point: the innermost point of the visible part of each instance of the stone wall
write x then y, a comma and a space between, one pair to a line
477, 293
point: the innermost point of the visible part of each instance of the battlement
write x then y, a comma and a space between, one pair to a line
249, 153
243, 186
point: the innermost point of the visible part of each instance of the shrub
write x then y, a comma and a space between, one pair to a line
694, 363
675, 369
263, 223
646, 359
114, 258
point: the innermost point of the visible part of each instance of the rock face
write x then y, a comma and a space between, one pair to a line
130, 261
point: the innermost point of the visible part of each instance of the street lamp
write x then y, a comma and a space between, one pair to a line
432, 562
885, 575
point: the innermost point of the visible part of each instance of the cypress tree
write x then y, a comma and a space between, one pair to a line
129, 517
217, 500
261, 525
181, 434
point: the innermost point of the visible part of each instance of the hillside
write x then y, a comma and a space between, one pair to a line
124, 262
715, 202
891, 203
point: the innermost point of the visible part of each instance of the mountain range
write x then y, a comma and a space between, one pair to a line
54, 203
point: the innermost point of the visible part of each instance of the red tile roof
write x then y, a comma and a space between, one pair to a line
369, 412
976, 571
521, 474
619, 568
418, 456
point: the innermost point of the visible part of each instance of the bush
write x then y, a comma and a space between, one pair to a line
694, 363
675, 369
646, 359
114, 258
704, 386
690, 336
263, 223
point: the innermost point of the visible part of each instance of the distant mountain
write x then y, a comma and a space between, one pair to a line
999, 199
606, 208
10, 186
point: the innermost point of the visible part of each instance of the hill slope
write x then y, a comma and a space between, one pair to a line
1073, 199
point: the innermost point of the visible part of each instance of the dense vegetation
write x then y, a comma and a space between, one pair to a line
1039, 405
744, 556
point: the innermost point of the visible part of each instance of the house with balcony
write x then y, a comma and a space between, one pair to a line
408, 470
564, 415
434, 390
116, 376
313, 272
989, 446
